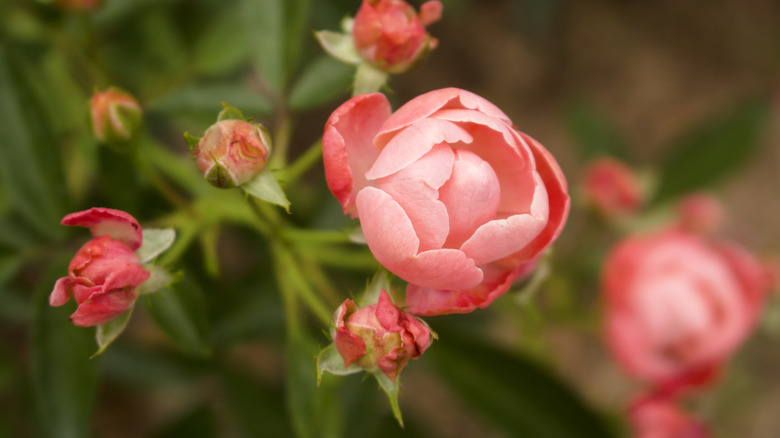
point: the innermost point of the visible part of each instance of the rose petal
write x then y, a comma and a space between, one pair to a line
415, 188
347, 147
414, 142
392, 240
106, 221
61, 293
501, 237
102, 308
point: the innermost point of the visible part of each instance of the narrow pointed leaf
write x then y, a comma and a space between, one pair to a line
331, 361
180, 311
108, 332
392, 389
230, 113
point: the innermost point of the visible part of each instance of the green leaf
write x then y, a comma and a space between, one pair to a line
265, 187
323, 79
331, 361
180, 311
230, 113
205, 98
516, 394
368, 79
339, 45
159, 278
714, 149
594, 134
108, 332
392, 389
30, 169
155, 241
221, 47
65, 379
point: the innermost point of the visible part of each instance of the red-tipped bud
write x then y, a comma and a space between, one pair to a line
115, 116
232, 152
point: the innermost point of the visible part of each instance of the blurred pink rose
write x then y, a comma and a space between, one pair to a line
450, 196
105, 272
612, 188
661, 418
678, 306
700, 213
115, 115
391, 35
232, 152
379, 336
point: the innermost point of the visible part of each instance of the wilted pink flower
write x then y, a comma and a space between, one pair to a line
115, 116
232, 152
450, 196
612, 188
700, 213
379, 336
105, 272
391, 35
661, 418
676, 306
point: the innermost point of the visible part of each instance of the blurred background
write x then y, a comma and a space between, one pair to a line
687, 92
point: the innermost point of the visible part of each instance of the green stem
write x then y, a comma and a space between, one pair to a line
294, 172
281, 144
307, 237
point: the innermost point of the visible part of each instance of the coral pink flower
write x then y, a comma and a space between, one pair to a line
700, 213
105, 272
391, 35
661, 418
379, 336
677, 306
612, 188
115, 115
232, 152
450, 196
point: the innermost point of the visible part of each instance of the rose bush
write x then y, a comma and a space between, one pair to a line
105, 272
379, 337
676, 306
450, 196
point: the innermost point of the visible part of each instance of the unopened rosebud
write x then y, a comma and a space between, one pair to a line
232, 152
379, 337
115, 116
612, 188
390, 35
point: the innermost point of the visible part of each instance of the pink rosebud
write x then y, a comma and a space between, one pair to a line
450, 196
676, 306
379, 337
700, 213
115, 116
105, 272
612, 188
661, 418
232, 152
390, 35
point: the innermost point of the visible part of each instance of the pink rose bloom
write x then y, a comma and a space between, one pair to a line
232, 152
660, 418
105, 272
700, 213
391, 35
450, 196
379, 336
676, 306
115, 115
612, 188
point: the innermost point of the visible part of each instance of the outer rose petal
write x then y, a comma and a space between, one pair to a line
61, 293
424, 105
103, 308
425, 301
106, 221
392, 240
558, 201
347, 145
